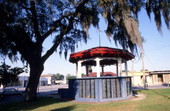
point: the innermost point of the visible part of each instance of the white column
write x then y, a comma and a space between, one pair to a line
79, 70
65, 79
98, 66
119, 67
126, 69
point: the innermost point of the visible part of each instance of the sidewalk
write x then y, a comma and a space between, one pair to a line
151, 87
157, 87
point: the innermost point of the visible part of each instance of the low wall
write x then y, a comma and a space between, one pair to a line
98, 89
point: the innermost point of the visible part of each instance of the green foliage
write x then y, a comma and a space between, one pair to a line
25, 25
69, 76
122, 19
32, 22
59, 76
8, 74
159, 8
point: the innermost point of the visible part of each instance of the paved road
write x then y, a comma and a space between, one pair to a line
46, 90
42, 91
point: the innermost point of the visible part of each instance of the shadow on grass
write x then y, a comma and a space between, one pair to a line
68, 108
41, 102
160, 94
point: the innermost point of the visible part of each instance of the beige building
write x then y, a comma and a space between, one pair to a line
50, 78
160, 77
152, 77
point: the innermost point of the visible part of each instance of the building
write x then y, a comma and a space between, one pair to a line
152, 77
160, 77
50, 78
23, 81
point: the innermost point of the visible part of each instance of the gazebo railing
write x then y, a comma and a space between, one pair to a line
86, 88
100, 89
111, 88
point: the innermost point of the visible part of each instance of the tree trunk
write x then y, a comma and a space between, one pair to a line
35, 73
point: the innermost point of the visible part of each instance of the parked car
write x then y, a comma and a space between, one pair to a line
12, 91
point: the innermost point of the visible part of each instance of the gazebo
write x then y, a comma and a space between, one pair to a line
99, 88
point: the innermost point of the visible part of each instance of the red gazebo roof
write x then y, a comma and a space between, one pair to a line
100, 52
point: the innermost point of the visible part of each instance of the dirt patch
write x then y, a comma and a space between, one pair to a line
138, 97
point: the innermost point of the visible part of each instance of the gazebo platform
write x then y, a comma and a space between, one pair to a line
97, 89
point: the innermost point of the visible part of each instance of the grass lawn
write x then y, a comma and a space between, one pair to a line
156, 100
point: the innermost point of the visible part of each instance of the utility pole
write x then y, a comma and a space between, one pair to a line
143, 70
132, 72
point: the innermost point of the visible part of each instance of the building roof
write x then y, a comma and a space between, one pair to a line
100, 52
94, 74
160, 72
46, 75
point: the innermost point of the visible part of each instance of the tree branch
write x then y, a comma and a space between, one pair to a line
58, 40
34, 19
53, 28
65, 31
52, 49
56, 23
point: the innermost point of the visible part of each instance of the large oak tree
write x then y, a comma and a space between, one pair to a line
26, 24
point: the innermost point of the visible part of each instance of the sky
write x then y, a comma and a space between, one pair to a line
156, 49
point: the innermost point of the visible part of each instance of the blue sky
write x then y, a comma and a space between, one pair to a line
156, 49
